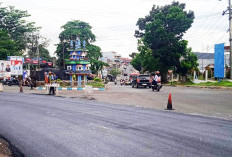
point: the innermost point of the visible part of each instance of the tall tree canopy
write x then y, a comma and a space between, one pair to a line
76, 28
7, 46
72, 30
13, 21
13, 27
162, 31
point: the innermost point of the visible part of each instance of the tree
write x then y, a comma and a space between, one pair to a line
72, 30
162, 31
188, 63
94, 55
144, 61
13, 21
76, 28
137, 62
7, 46
114, 72
43, 51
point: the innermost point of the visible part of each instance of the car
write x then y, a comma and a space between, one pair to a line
141, 81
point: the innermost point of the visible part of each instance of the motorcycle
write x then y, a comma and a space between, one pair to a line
122, 82
156, 86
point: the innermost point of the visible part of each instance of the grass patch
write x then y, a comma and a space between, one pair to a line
96, 84
222, 83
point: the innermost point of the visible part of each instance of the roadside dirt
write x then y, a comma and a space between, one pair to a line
8, 150
4, 149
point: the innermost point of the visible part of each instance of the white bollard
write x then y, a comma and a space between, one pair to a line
206, 75
1, 87
88, 90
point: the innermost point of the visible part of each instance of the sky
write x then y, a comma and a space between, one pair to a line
114, 21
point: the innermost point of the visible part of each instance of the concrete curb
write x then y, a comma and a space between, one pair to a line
71, 88
209, 87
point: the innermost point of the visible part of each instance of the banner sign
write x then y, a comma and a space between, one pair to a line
5, 70
16, 65
219, 61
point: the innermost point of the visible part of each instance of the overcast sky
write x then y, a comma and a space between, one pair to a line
114, 21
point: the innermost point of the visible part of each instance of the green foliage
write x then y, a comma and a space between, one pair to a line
13, 21
188, 62
7, 46
76, 28
72, 30
96, 79
137, 62
94, 54
222, 83
144, 61
114, 72
96, 84
162, 31
43, 53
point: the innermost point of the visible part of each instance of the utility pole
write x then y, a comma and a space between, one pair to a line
230, 31
37, 47
63, 55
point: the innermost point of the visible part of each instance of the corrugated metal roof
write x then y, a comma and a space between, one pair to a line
204, 55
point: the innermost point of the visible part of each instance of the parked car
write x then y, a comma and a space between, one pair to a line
141, 81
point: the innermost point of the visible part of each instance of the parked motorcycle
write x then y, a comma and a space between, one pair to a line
156, 86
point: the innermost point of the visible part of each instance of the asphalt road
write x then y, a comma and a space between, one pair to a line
47, 126
196, 101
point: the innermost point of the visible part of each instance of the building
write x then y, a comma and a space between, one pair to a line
78, 65
205, 59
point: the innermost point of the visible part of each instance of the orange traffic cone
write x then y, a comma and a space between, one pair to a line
169, 105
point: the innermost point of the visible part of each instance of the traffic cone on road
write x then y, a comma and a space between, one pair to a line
21, 88
169, 105
1, 87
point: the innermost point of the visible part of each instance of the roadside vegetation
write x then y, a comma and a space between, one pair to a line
190, 83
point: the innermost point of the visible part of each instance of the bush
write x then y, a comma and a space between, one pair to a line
96, 84
96, 79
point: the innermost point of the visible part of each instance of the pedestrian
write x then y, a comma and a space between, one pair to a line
55, 78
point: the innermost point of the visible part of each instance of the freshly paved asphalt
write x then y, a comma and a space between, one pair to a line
47, 126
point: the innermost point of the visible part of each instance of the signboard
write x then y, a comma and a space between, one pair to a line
5, 70
16, 65
219, 61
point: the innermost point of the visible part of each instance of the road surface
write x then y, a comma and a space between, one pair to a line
47, 126
197, 101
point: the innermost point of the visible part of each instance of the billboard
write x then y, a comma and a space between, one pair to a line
219, 61
5, 69
16, 65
